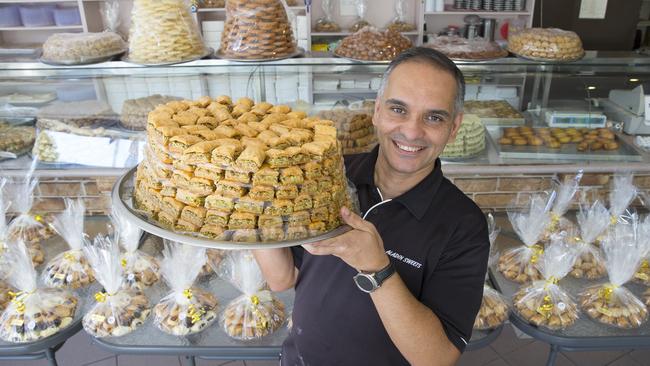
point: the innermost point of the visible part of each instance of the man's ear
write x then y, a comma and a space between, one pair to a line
458, 119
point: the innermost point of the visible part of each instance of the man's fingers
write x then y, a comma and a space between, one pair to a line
354, 220
322, 250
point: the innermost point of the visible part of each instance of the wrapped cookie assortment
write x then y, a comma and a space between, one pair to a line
34, 313
326, 23
257, 29
257, 312
494, 307
354, 127
642, 274
213, 258
242, 171
621, 194
370, 44
5, 297
518, 264
70, 268
140, 269
562, 198
550, 44
544, 303
187, 309
135, 111
79, 48
593, 221
399, 23
361, 7
163, 31
5, 265
612, 303
118, 310
26, 227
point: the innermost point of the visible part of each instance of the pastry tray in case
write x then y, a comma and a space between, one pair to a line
122, 197
625, 152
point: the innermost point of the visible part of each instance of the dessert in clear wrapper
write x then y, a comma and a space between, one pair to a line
642, 274
140, 269
562, 197
257, 29
187, 309
4, 294
163, 31
118, 310
544, 303
268, 162
518, 264
621, 194
213, 259
361, 6
26, 227
326, 23
399, 23
612, 303
75, 48
257, 312
546, 44
70, 268
16, 139
593, 221
33, 313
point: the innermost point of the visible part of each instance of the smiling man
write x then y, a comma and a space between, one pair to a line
404, 286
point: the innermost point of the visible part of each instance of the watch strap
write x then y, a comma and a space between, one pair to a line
384, 273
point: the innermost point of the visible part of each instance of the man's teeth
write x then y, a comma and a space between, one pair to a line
409, 148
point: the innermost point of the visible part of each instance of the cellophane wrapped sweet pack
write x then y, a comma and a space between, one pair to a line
118, 310
70, 268
564, 194
494, 307
140, 269
399, 22
25, 227
34, 313
545, 303
621, 195
593, 221
257, 312
611, 303
361, 7
642, 274
326, 23
518, 264
187, 309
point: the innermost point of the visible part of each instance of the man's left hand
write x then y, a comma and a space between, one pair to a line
361, 248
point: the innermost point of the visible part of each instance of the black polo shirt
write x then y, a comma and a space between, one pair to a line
438, 241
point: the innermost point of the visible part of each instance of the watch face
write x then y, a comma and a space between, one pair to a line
365, 282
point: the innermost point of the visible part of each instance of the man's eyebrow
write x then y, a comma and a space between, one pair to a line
398, 102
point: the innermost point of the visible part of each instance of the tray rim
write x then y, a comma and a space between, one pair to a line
124, 209
89, 61
299, 52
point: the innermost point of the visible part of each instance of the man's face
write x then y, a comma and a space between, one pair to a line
414, 116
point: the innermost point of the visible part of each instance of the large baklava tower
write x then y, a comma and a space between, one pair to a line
256, 29
163, 31
241, 172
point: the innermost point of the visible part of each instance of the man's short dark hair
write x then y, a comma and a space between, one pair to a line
434, 58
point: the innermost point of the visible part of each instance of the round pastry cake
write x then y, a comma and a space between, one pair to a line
117, 314
493, 311
456, 47
546, 43
163, 31
68, 269
255, 316
81, 47
616, 306
369, 44
241, 171
544, 308
470, 139
256, 29
187, 316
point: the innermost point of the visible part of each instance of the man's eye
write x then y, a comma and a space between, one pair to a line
434, 118
399, 110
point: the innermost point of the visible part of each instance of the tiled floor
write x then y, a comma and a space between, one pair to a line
507, 350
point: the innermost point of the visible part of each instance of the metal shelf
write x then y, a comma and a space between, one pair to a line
478, 12
53, 27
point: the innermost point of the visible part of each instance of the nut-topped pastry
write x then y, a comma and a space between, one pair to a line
256, 160
546, 43
82, 47
369, 44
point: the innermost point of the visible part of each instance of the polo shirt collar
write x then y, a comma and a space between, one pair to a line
417, 200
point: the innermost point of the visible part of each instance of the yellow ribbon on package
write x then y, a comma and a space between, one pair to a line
555, 220
606, 291
538, 250
546, 307
261, 321
123, 262
19, 304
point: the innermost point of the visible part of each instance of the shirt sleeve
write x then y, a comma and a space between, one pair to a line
453, 289
297, 252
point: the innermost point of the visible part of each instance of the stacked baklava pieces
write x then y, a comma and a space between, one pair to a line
242, 171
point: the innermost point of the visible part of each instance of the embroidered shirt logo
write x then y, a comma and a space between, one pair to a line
404, 259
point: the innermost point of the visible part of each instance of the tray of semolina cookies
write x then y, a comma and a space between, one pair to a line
227, 175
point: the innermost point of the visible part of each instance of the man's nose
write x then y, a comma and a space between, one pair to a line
412, 129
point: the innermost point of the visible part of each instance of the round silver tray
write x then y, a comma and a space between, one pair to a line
299, 52
122, 201
208, 52
541, 59
87, 61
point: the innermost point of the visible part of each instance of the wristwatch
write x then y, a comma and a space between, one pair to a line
369, 282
